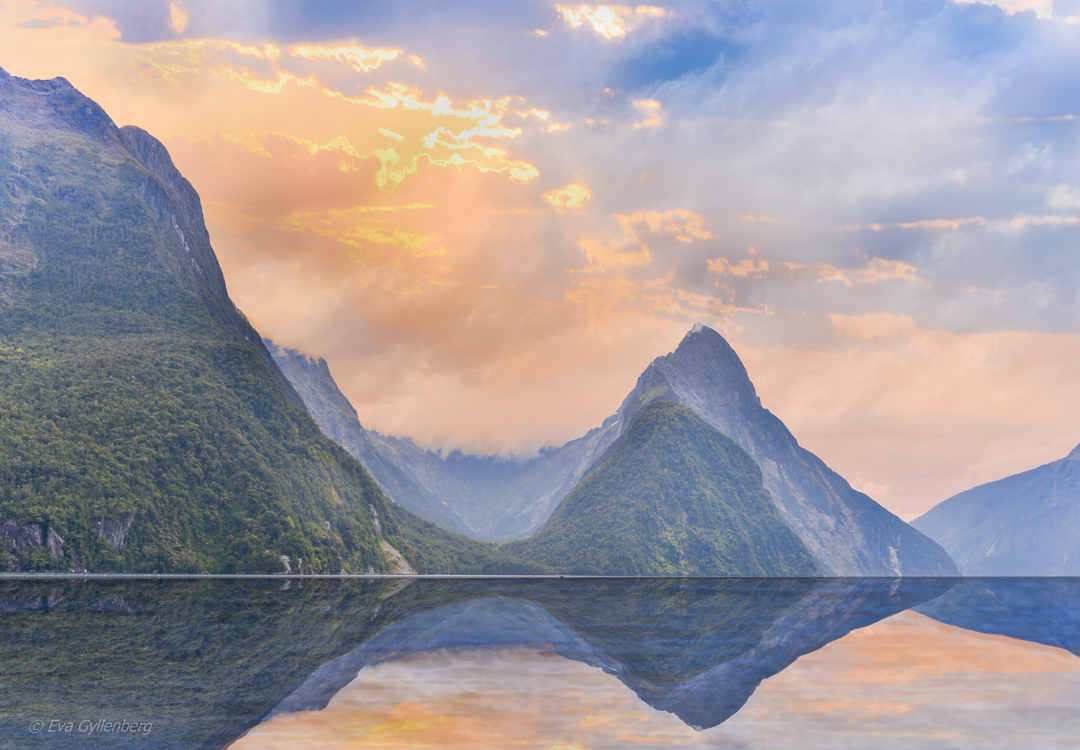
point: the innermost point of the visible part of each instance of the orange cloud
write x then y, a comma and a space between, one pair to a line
178, 17
619, 253
748, 267
362, 60
573, 197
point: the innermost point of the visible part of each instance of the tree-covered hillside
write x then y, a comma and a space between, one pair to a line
143, 424
673, 497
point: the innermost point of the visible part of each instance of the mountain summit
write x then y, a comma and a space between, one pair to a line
503, 498
848, 533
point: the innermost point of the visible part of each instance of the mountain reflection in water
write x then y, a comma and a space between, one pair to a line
533, 662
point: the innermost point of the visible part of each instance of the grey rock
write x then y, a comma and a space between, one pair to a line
18, 538
115, 530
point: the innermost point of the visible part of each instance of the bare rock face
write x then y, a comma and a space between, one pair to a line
18, 539
115, 530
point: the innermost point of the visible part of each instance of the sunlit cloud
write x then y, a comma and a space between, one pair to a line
650, 111
748, 267
1041, 8
178, 17
608, 21
572, 197
361, 60
683, 224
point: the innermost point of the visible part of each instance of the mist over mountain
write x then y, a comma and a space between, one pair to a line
145, 427
504, 498
338, 420
1027, 524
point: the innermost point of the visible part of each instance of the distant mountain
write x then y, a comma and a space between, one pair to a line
673, 497
338, 420
1024, 525
488, 497
143, 424
503, 498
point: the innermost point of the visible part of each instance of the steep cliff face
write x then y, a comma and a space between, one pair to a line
145, 426
338, 420
848, 533
1024, 525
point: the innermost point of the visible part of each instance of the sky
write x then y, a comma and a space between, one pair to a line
489, 217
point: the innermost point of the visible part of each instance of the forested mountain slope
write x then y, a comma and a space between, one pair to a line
143, 424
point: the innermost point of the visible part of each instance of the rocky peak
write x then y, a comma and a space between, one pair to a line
54, 104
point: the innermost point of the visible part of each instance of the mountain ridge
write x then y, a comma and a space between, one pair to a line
1024, 524
848, 533
145, 426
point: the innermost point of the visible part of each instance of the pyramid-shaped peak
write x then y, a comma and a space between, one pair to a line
702, 342
700, 331
1074, 454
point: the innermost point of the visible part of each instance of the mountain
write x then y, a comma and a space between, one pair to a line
1024, 525
847, 532
673, 497
502, 498
143, 424
488, 497
338, 420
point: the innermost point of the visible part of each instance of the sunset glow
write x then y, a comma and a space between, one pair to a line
489, 223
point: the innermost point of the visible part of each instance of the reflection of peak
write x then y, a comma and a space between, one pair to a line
742, 630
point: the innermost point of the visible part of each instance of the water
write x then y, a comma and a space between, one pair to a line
540, 663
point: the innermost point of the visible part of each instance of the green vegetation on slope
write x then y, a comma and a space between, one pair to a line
436, 551
674, 497
141, 419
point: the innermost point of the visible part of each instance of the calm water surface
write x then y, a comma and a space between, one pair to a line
541, 663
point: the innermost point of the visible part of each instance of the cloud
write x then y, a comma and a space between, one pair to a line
608, 21
572, 197
835, 186
362, 60
178, 17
